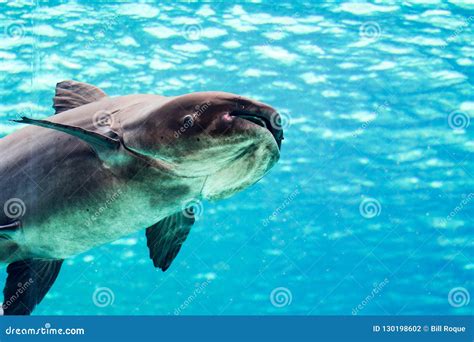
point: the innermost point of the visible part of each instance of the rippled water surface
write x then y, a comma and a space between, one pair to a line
370, 209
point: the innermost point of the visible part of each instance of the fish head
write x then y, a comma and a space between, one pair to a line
231, 140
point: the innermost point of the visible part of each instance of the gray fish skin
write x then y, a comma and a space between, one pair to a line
77, 197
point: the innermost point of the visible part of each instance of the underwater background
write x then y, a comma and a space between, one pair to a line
370, 208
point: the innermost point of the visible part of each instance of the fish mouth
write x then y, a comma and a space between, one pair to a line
269, 120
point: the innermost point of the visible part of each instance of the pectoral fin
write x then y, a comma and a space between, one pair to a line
10, 227
96, 140
164, 238
28, 281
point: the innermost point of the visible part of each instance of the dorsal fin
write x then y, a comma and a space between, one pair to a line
72, 94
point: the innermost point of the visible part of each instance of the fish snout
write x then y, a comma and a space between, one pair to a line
262, 115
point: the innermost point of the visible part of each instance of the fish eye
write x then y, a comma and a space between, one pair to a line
188, 121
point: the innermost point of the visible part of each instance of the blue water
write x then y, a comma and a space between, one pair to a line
369, 210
